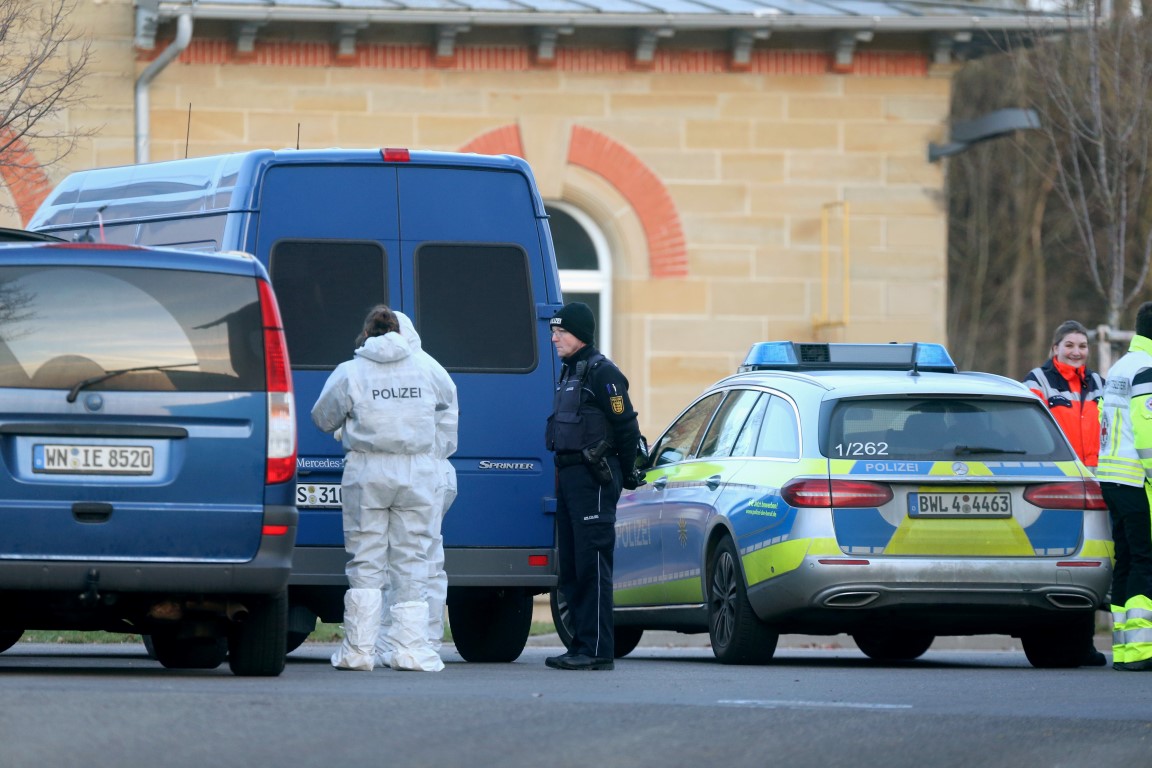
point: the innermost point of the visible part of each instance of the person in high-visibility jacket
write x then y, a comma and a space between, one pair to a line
1124, 472
1072, 391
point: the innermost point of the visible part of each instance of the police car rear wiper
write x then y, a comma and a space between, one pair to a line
966, 450
75, 391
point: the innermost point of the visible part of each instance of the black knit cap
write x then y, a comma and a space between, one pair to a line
577, 319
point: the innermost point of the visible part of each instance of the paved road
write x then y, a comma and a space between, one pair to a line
664, 706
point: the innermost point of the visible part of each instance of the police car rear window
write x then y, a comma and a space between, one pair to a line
129, 329
941, 428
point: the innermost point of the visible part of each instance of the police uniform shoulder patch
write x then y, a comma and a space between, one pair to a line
617, 402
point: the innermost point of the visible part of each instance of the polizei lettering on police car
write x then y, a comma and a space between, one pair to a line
396, 393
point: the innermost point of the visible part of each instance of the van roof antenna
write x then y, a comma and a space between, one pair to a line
188, 131
297, 136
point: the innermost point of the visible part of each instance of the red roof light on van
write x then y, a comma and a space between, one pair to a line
395, 155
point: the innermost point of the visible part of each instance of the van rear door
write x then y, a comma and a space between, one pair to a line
332, 239
471, 238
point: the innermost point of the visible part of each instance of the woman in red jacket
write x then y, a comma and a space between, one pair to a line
1073, 392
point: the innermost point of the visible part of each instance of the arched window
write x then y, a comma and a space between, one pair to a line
585, 265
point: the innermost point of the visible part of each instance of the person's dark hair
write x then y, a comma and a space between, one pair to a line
1144, 320
380, 320
1065, 328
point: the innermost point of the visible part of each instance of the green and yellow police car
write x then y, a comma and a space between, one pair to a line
868, 489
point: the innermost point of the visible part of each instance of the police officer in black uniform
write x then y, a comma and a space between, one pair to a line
594, 434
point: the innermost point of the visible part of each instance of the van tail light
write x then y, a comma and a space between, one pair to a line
822, 492
1073, 494
281, 462
395, 155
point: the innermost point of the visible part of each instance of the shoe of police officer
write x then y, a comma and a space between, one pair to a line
1143, 665
580, 661
554, 661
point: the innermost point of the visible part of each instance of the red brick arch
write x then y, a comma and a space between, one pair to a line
667, 254
24, 177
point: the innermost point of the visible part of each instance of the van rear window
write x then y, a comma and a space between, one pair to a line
474, 307
151, 329
325, 288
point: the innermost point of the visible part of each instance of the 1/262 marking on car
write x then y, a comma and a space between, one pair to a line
93, 459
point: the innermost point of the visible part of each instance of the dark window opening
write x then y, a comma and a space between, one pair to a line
474, 307
325, 288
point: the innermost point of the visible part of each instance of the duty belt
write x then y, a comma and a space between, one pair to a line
568, 459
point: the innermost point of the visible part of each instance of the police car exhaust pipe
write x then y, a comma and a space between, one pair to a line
1061, 600
851, 599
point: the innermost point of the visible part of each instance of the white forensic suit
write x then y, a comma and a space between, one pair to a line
437, 577
385, 401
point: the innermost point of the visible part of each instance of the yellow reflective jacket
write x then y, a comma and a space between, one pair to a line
1126, 418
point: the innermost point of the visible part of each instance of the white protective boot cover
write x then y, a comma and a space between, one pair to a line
409, 636
362, 609
384, 647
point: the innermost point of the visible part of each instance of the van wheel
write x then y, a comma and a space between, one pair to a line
624, 639
9, 638
489, 625
258, 644
301, 624
561, 617
738, 636
176, 652
893, 646
149, 646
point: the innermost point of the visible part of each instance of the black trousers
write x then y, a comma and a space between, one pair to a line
1132, 539
586, 539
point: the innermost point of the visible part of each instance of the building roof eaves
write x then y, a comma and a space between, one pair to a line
899, 16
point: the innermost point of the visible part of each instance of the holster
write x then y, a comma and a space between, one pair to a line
596, 459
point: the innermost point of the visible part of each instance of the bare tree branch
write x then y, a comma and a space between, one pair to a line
43, 64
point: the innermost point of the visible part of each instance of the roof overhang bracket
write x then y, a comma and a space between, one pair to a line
743, 40
147, 21
546, 38
446, 39
346, 38
246, 36
646, 41
944, 45
844, 47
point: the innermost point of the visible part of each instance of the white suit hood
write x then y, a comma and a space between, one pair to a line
387, 348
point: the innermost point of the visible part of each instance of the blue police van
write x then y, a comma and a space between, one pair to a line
459, 242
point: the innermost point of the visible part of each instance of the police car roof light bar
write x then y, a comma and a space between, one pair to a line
811, 356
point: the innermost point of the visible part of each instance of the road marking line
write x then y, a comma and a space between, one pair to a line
786, 703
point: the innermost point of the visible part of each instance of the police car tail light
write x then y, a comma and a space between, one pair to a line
1074, 494
813, 492
281, 461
